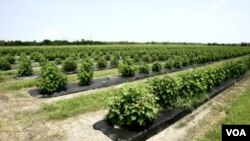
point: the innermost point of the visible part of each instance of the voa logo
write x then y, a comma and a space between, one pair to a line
236, 132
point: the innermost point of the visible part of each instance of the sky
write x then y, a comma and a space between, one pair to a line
222, 21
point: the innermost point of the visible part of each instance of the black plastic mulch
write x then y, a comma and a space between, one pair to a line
163, 120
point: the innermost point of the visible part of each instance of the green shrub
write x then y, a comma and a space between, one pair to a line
85, 73
24, 68
156, 67
58, 61
42, 61
51, 80
4, 64
146, 58
134, 109
10, 58
127, 69
191, 89
69, 65
144, 68
177, 61
36, 56
165, 89
102, 63
168, 64
114, 62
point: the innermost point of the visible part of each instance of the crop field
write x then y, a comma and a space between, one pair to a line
101, 92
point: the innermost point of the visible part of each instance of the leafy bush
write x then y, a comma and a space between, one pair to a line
58, 61
10, 58
134, 109
191, 89
165, 89
156, 67
102, 63
24, 68
51, 80
4, 64
177, 61
85, 73
146, 58
36, 56
69, 65
168, 64
127, 69
144, 68
42, 61
114, 62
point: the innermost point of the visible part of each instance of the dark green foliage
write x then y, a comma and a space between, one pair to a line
114, 62
69, 65
177, 62
10, 58
102, 63
85, 73
24, 68
134, 109
166, 89
127, 69
157, 67
51, 80
42, 61
146, 58
4, 64
191, 89
58, 61
168, 64
144, 68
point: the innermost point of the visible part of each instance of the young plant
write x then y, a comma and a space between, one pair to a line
166, 90
4, 64
69, 65
51, 80
156, 67
133, 109
10, 58
85, 73
168, 64
114, 62
58, 61
127, 69
102, 63
144, 68
24, 68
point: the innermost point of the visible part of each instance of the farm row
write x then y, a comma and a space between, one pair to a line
103, 58
166, 86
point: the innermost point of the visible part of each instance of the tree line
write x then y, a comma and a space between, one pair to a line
91, 42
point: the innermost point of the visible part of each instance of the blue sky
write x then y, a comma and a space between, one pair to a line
224, 21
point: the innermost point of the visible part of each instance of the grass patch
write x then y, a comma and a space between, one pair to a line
237, 113
67, 108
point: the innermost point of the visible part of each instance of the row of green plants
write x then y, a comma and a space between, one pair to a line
53, 80
138, 53
137, 108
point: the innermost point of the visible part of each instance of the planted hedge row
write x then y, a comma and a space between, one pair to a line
136, 108
52, 80
179, 55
